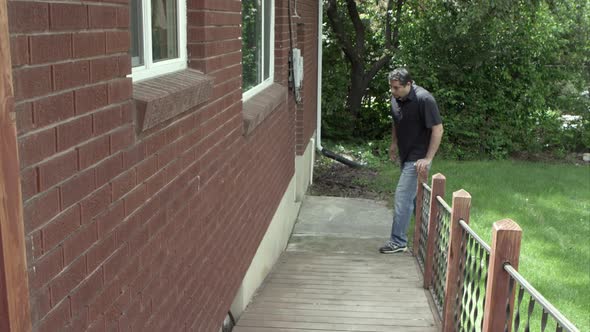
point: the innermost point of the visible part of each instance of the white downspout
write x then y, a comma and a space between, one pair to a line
318, 138
318, 132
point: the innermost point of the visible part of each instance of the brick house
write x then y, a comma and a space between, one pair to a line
161, 162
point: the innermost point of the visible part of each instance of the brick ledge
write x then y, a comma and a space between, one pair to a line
164, 97
260, 106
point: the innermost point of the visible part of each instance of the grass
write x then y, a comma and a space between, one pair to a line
550, 202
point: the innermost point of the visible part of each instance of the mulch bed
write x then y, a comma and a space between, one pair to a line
339, 180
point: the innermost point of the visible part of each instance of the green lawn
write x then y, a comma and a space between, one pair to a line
550, 202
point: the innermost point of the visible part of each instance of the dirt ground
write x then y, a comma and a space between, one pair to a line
336, 179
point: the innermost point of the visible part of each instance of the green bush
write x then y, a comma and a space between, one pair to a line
504, 74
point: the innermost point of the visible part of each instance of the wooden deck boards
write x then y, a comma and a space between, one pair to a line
310, 291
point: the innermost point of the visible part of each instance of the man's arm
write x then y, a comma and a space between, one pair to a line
393, 148
435, 137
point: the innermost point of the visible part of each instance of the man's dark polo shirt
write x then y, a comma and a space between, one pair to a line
414, 118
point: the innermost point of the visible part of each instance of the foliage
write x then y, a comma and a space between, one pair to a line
373, 119
251, 45
504, 74
360, 40
495, 71
336, 122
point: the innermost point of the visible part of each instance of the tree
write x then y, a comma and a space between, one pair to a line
503, 72
364, 59
510, 76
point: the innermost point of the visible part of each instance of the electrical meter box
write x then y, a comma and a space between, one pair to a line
297, 68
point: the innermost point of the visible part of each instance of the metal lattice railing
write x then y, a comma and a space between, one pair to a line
441, 248
532, 312
471, 284
469, 273
425, 215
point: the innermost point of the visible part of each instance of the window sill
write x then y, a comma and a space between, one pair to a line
260, 106
162, 98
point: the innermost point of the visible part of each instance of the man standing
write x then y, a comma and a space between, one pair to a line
416, 133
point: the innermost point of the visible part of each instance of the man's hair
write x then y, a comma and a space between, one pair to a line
402, 75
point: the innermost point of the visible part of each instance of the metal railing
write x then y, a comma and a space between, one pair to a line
471, 285
480, 292
424, 226
528, 316
441, 245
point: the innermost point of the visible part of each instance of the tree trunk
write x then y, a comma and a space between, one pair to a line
359, 83
354, 48
358, 88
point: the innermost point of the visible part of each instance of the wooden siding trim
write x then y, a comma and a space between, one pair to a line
14, 290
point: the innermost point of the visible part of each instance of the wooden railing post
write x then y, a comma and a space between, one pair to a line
14, 286
460, 210
506, 238
437, 189
422, 177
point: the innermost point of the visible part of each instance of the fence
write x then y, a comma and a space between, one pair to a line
475, 287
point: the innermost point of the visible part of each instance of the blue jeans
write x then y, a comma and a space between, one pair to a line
405, 196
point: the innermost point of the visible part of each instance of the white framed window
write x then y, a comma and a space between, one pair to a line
257, 45
158, 37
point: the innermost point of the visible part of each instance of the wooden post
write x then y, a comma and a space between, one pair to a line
506, 238
14, 291
460, 210
422, 177
438, 189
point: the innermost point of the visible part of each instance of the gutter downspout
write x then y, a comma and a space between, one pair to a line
318, 139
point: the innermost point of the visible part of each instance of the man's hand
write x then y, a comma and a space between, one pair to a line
393, 153
422, 165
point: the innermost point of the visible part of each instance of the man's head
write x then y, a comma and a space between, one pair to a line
400, 83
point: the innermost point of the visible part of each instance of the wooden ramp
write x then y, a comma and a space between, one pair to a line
331, 291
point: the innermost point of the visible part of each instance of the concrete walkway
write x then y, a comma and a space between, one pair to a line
331, 277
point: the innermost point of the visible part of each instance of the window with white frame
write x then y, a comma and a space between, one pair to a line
257, 45
158, 37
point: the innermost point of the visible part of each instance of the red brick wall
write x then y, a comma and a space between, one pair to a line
151, 231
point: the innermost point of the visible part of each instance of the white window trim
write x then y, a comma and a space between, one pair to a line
271, 70
151, 69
